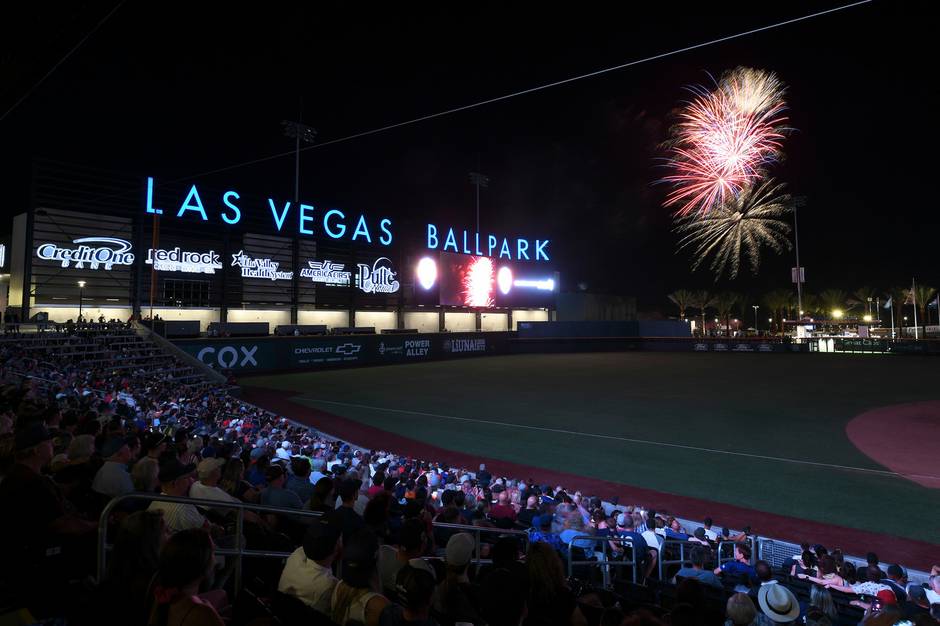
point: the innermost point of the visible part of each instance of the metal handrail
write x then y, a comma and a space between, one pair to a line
682, 546
605, 563
750, 539
477, 531
238, 551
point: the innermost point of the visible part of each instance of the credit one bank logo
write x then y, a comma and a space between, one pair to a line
96, 252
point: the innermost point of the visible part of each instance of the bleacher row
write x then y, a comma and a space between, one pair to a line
75, 360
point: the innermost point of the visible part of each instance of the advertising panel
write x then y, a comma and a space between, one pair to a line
276, 353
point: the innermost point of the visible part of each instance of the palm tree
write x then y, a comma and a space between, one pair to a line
725, 303
810, 304
832, 299
681, 298
897, 296
702, 300
779, 302
864, 296
921, 296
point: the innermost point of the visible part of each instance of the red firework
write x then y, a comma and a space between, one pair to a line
725, 139
477, 282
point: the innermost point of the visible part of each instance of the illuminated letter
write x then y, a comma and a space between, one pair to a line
504, 249
326, 223
490, 245
451, 240
540, 249
383, 225
150, 208
465, 249
362, 228
238, 213
522, 250
478, 244
305, 218
193, 195
432, 237
278, 219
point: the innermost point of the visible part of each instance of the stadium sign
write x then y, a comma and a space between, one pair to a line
259, 268
326, 272
306, 219
177, 260
518, 249
377, 278
108, 253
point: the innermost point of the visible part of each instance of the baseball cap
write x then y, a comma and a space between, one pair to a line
31, 435
321, 537
112, 446
459, 549
887, 596
172, 469
207, 466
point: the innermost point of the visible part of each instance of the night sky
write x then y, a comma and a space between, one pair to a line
175, 89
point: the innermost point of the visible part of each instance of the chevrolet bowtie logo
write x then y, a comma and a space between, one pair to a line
348, 348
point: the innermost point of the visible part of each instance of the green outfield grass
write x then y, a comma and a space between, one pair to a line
576, 413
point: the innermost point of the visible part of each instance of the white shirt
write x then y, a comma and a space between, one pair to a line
281, 453
652, 540
308, 581
179, 516
113, 479
206, 492
711, 534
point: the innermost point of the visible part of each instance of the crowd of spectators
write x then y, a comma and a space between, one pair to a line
387, 548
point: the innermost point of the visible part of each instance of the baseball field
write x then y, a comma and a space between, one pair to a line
844, 448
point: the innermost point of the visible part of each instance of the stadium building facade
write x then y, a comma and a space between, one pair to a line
105, 244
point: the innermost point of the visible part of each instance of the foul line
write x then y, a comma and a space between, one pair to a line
664, 444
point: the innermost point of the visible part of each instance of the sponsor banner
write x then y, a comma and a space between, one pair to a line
259, 268
285, 353
91, 252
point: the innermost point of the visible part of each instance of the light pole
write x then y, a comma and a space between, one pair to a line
307, 134
81, 298
479, 180
755, 307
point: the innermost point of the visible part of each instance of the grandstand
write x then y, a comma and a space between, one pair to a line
104, 427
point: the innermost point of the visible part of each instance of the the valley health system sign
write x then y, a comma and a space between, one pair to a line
306, 219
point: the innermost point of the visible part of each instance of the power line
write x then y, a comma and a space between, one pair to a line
63, 59
530, 90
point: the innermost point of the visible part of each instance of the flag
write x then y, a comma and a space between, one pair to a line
888, 303
935, 303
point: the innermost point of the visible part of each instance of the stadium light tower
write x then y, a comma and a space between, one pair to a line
479, 180
299, 132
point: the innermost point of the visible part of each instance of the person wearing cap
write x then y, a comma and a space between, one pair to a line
155, 444
353, 601
917, 604
207, 487
176, 480
35, 514
308, 574
283, 451
414, 585
275, 494
113, 479
455, 597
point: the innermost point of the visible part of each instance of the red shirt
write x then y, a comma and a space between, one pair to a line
499, 511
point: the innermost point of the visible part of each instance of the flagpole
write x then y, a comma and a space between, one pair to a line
914, 300
893, 334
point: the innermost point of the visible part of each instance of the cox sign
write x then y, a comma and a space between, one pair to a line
228, 357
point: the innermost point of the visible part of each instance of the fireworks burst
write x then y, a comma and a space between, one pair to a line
739, 226
724, 140
478, 282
